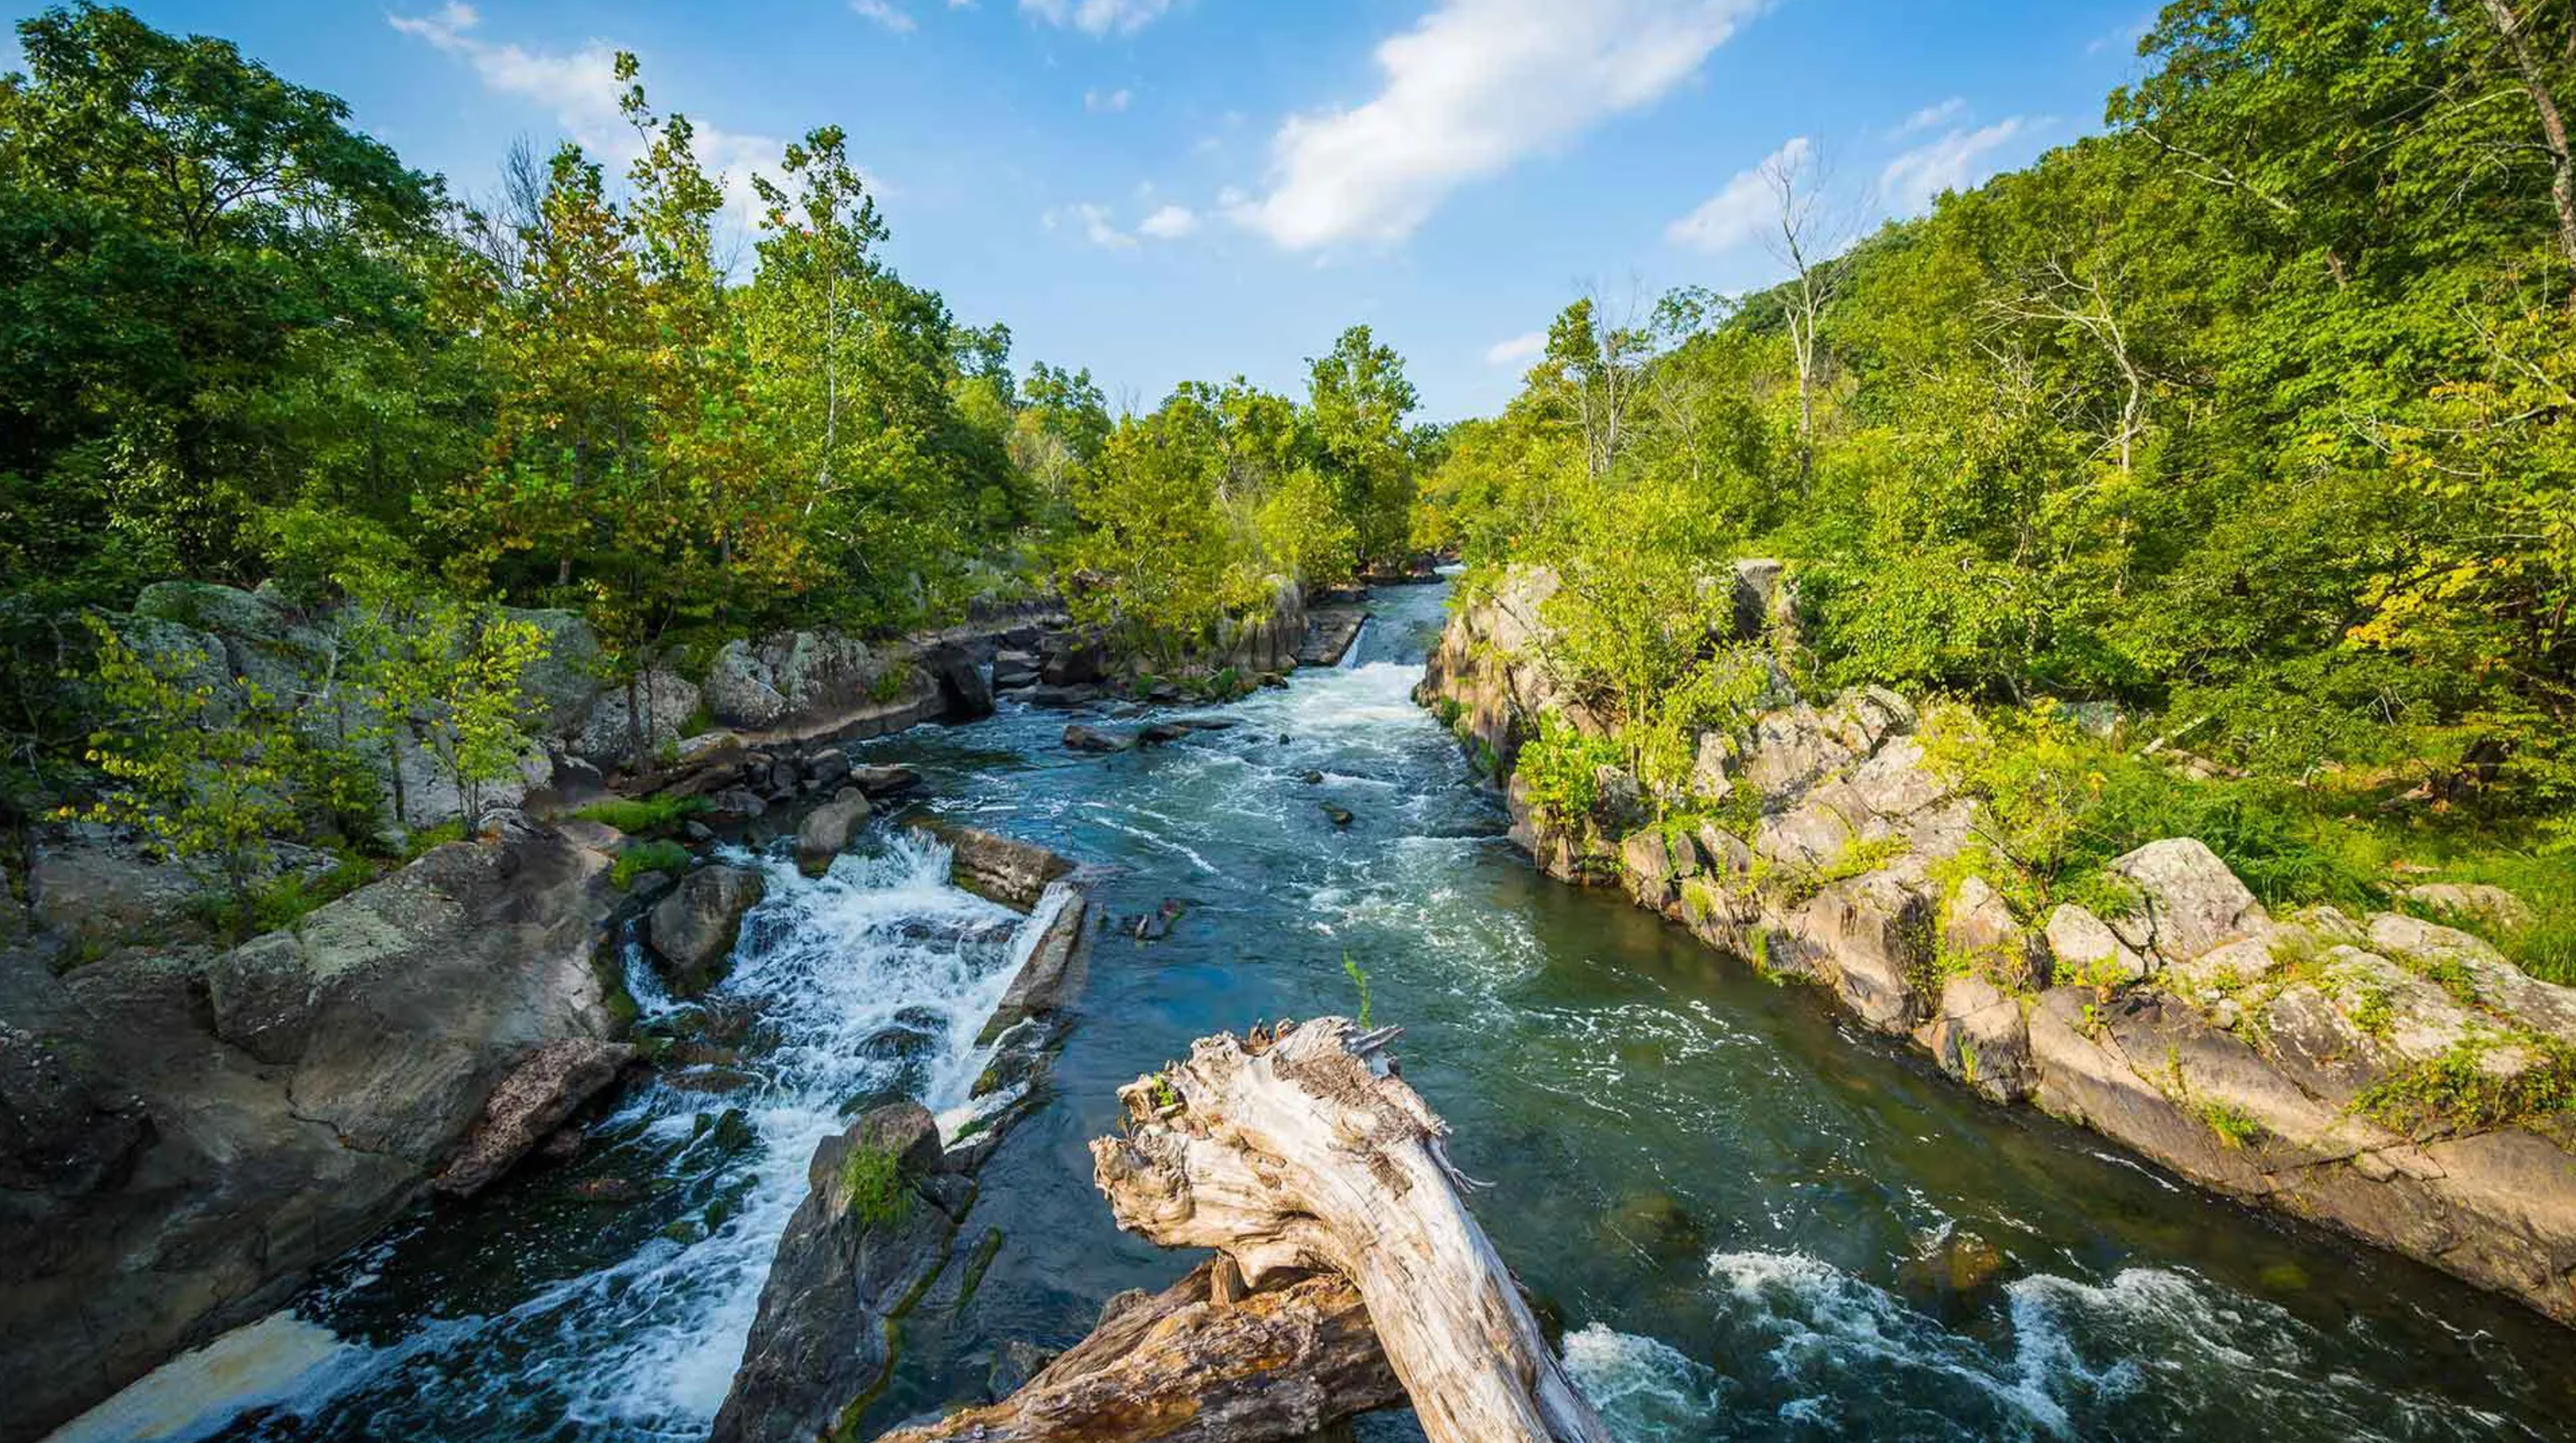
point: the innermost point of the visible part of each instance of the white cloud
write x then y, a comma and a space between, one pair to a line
1742, 208
1109, 101
1954, 162
1170, 223
898, 21
1093, 219
1099, 17
580, 87
1517, 348
1930, 116
1472, 88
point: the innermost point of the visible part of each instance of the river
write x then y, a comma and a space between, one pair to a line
1752, 1222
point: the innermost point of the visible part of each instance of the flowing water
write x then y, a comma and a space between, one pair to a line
1752, 1222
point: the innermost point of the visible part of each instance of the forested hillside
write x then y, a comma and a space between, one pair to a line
242, 342
2250, 417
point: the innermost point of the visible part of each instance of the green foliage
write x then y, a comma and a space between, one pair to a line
2252, 415
2463, 1090
203, 768
451, 830
1359, 980
644, 816
644, 857
873, 1188
2234, 1127
1561, 768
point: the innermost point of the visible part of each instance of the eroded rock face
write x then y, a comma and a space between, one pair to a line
629, 725
694, 929
226, 1148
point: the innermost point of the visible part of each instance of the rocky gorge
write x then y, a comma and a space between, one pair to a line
2359, 1071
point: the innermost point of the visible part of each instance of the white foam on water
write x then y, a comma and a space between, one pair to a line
1646, 1390
646, 1347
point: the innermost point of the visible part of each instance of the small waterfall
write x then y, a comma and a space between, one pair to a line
1351, 653
874, 979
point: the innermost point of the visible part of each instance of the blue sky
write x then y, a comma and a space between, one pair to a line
1172, 189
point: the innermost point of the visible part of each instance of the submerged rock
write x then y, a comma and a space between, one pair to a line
1081, 738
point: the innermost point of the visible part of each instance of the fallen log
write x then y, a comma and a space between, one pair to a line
1301, 1149
1189, 1365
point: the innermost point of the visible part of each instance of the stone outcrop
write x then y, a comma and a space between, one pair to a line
693, 930
194, 1131
2388, 1076
849, 1262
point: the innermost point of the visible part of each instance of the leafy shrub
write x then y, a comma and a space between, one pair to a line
639, 817
646, 857
1562, 766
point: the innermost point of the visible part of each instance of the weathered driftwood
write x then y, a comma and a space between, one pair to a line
1184, 1366
1302, 1150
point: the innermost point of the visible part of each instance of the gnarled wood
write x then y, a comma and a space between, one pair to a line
1302, 1150
1185, 1367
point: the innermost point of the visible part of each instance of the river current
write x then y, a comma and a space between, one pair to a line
1752, 1221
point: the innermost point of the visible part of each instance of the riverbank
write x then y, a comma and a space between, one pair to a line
1752, 1222
2386, 1075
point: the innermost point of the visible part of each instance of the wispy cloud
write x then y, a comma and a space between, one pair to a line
1959, 159
1171, 222
1092, 220
1929, 117
1099, 17
1107, 101
1516, 348
885, 14
1468, 91
1743, 207
581, 89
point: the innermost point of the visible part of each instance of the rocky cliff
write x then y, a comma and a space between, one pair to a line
2390, 1077
186, 1133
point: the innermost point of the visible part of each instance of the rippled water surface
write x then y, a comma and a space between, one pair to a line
1751, 1222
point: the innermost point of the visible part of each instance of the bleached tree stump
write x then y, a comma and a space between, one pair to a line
1302, 1150
1185, 1366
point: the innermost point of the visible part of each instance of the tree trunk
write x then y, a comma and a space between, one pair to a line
1183, 1367
2553, 126
1305, 1150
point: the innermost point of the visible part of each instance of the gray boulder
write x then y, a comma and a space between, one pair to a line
694, 929
660, 708
2191, 902
739, 690
827, 830
2086, 950
965, 692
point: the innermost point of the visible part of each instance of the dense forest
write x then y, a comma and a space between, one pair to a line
2250, 418
2246, 421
